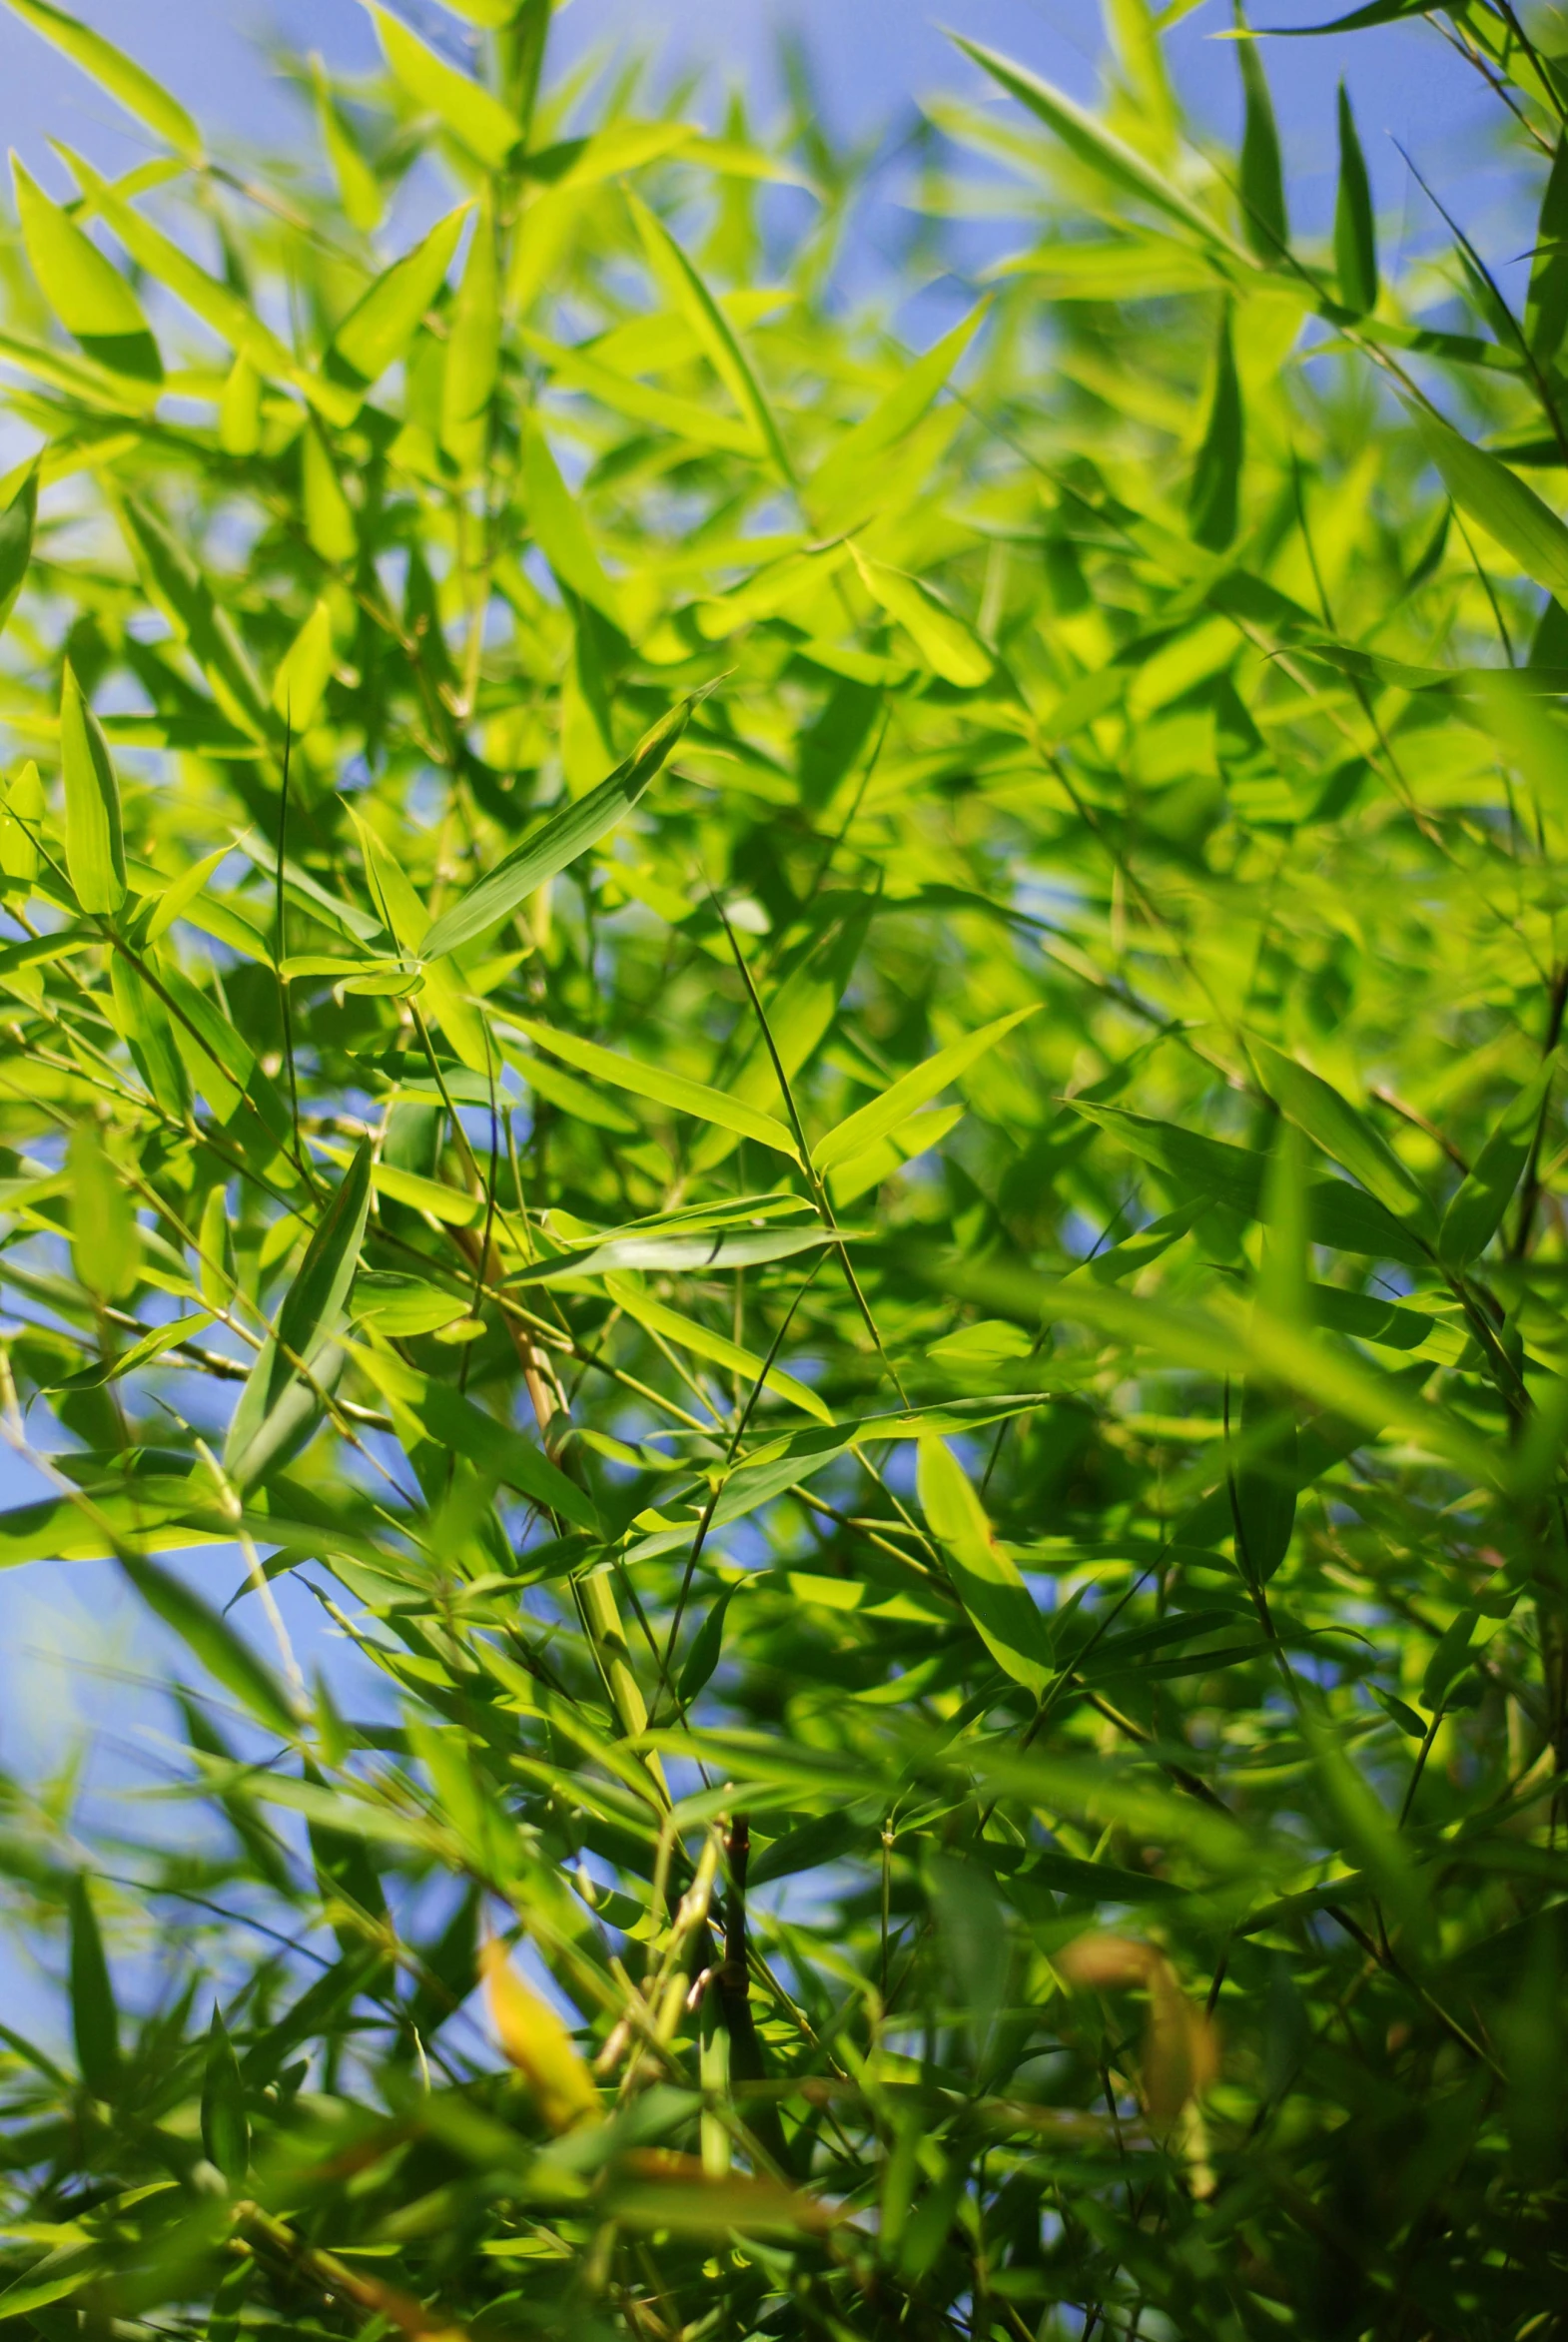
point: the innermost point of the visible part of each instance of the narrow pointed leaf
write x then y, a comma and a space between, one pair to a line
95, 2021
568, 833
126, 81
94, 846
908, 1094
1355, 229
476, 119
995, 1597
17, 524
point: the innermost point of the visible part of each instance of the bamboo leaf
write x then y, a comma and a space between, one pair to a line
1356, 231
685, 292
1475, 1213
1214, 497
560, 531
17, 524
663, 1087
380, 326
907, 1094
94, 846
1317, 1108
476, 119
226, 2129
1485, 490
559, 844
995, 1597
265, 1418
949, 647
1091, 143
127, 82
842, 471
1265, 219
227, 1659
95, 2021
90, 298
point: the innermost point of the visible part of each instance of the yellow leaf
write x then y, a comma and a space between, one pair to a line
539, 2044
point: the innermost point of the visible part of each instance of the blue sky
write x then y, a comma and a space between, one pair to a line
873, 57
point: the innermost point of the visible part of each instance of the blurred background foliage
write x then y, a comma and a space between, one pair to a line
817, 1080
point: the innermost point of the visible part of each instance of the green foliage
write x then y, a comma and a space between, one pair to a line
821, 1082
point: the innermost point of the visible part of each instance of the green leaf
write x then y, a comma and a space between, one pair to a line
1363, 1828
562, 839
1317, 1108
358, 186
707, 1646
439, 1414
304, 670
1213, 501
328, 515
560, 530
478, 121
1477, 1210
722, 1250
94, 846
1488, 492
985, 1577
1091, 143
90, 298
125, 81
177, 586
95, 2021
227, 1658
226, 2129
949, 647
1410, 1722
843, 471
473, 350
703, 1343
1356, 231
1546, 304
311, 1312
104, 1238
663, 1087
21, 822
686, 292
17, 524
380, 327
216, 304
1265, 221
911, 1092
1450, 1655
